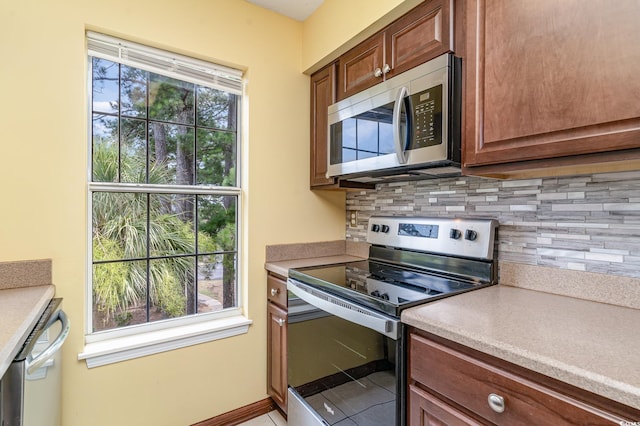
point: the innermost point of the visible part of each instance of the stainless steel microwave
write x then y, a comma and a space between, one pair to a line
405, 127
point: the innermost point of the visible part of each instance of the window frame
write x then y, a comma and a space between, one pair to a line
118, 344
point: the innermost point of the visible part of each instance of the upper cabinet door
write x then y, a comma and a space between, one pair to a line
550, 78
423, 34
323, 94
361, 67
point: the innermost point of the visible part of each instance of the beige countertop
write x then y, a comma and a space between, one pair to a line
590, 345
25, 291
20, 309
282, 267
282, 257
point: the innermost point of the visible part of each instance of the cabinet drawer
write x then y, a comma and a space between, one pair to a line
277, 290
426, 409
469, 382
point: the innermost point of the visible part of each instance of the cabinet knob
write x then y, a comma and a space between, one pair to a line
377, 72
275, 291
496, 403
386, 69
280, 321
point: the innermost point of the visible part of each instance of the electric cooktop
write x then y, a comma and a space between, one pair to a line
383, 287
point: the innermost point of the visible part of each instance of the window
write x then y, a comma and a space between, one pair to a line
164, 188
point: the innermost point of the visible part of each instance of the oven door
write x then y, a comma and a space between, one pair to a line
344, 361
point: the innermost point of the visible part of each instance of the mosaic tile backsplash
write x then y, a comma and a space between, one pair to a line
585, 223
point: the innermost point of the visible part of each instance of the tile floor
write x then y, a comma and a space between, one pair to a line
370, 401
273, 418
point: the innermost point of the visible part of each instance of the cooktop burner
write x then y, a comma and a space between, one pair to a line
383, 287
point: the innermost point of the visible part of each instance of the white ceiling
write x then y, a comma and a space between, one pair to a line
296, 9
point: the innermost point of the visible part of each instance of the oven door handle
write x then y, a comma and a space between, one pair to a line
33, 363
345, 309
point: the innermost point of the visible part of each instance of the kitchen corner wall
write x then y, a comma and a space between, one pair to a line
44, 187
586, 223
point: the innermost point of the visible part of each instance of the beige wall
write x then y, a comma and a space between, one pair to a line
43, 135
338, 25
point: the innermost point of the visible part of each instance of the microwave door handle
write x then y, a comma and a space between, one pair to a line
398, 142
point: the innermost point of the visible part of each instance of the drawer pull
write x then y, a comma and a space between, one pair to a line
275, 291
496, 403
280, 322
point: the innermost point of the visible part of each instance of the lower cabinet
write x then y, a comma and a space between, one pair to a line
450, 384
277, 340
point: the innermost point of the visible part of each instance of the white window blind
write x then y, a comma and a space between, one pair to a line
165, 63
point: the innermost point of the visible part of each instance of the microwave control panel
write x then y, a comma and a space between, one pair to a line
426, 109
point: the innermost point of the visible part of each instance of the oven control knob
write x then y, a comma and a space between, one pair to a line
375, 228
455, 234
385, 228
375, 293
470, 235
384, 296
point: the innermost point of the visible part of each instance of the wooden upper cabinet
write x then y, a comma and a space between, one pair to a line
550, 79
422, 34
358, 66
323, 94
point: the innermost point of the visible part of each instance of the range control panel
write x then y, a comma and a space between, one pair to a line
472, 238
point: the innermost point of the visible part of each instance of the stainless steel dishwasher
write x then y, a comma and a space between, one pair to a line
30, 392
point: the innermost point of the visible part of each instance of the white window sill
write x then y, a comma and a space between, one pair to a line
119, 349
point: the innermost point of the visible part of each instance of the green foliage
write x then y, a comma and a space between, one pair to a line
105, 161
111, 289
171, 99
167, 278
120, 232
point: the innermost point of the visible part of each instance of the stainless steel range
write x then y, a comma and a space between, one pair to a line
346, 352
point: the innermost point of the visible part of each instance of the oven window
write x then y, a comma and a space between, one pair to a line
341, 369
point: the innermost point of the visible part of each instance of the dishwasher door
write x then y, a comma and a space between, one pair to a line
30, 389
